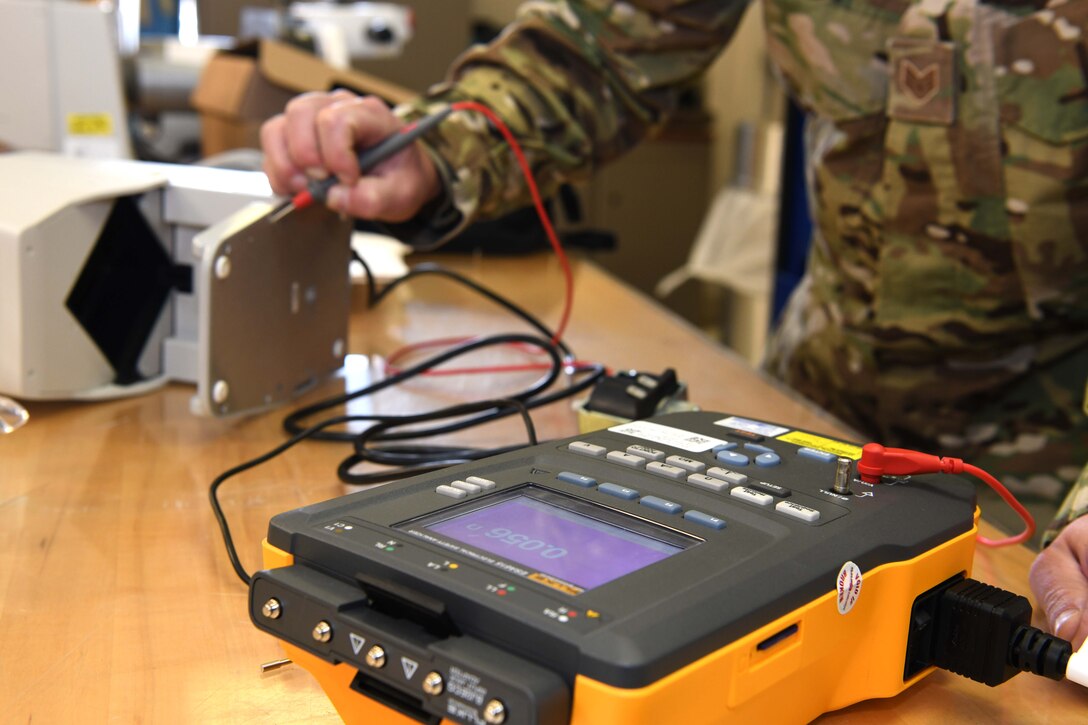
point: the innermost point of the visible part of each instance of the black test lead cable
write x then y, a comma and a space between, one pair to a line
492, 409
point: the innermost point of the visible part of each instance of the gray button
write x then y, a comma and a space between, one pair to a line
732, 477
626, 459
660, 504
752, 496
650, 454
703, 481
614, 489
485, 483
702, 519
577, 479
450, 491
466, 486
586, 449
798, 511
688, 464
667, 470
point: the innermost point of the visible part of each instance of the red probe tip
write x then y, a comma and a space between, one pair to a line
302, 199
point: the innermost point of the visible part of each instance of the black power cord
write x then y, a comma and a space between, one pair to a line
981, 632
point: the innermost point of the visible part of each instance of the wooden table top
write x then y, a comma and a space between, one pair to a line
118, 603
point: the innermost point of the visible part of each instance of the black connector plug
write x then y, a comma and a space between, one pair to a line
633, 395
981, 632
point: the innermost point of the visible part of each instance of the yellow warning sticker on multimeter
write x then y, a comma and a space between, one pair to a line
829, 445
90, 124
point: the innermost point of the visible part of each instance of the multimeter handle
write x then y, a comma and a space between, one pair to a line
385, 595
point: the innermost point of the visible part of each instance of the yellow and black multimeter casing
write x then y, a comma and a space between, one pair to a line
694, 568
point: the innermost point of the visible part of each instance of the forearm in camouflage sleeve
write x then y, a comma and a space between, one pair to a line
1076, 502
578, 82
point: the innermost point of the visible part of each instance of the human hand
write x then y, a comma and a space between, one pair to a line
1059, 578
321, 134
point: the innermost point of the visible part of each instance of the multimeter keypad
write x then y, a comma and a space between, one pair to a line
694, 472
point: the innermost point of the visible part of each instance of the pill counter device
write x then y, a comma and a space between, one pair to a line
689, 568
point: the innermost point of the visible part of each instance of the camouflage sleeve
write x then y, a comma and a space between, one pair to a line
1075, 504
579, 82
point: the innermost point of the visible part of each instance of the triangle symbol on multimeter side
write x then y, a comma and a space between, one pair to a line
409, 667
357, 642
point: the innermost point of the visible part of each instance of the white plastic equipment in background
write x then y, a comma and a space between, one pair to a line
276, 323
61, 85
355, 30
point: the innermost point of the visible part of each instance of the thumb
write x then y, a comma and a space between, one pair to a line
1060, 583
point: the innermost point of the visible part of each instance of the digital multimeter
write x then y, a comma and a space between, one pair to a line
694, 567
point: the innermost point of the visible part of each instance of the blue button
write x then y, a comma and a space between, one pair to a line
735, 459
817, 455
724, 447
756, 448
614, 489
702, 519
660, 504
768, 459
577, 479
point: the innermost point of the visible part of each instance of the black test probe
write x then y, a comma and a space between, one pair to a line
318, 190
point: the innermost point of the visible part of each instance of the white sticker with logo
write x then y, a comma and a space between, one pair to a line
848, 586
667, 435
752, 426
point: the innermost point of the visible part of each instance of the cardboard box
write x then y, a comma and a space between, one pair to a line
239, 89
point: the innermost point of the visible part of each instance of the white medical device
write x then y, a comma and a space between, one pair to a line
118, 276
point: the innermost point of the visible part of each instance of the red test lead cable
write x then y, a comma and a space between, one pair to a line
538, 202
877, 461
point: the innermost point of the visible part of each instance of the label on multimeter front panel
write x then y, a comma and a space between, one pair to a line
668, 436
830, 445
752, 426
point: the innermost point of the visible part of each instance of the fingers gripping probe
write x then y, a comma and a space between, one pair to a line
318, 190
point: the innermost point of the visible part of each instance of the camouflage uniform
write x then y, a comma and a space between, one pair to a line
945, 305
1076, 502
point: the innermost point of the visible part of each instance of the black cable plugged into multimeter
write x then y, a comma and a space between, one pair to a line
981, 632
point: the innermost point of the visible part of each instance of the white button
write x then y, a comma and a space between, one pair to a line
755, 497
713, 484
587, 449
651, 454
688, 464
466, 486
666, 469
484, 483
737, 479
798, 511
451, 492
626, 459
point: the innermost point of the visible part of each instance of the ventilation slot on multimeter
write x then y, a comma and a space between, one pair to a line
777, 637
393, 698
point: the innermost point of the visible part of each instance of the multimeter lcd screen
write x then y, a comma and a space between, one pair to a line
585, 550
